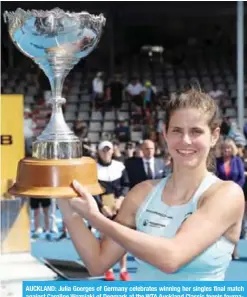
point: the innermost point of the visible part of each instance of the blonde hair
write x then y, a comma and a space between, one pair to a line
232, 144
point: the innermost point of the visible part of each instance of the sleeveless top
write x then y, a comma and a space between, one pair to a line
157, 218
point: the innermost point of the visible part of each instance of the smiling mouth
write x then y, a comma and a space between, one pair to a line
186, 153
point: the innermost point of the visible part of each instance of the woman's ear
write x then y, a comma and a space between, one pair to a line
164, 131
215, 137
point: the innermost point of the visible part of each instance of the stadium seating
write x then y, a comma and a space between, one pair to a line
209, 74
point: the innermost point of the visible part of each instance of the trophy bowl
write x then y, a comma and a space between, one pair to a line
55, 40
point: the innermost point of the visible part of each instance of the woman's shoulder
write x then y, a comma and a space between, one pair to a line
237, 158
225, 192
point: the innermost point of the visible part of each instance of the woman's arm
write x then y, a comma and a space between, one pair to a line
220, 211
98, 256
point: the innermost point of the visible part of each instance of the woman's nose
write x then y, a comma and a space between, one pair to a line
186, 138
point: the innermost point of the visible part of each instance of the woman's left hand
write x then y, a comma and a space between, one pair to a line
85, 205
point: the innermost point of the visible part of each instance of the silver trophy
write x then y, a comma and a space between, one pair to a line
56, 40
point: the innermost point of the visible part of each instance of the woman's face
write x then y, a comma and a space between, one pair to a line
189, 138
227, 150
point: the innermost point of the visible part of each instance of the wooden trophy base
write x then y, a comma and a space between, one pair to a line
53, 178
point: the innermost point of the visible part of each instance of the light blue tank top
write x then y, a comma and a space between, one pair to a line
159, 219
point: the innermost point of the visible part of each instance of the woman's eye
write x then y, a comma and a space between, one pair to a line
196, 132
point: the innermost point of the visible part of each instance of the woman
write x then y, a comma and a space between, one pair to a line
231, 167
183, 227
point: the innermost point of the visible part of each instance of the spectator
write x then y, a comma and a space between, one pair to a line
88, 151
35, 204
150, 92
116, 88
149, 129
129, 150
147, 167
80, 129
225, 126
113, 178
137, 120
117, 155
135, 91
229, 165
122, 131
98, 90
138, 153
